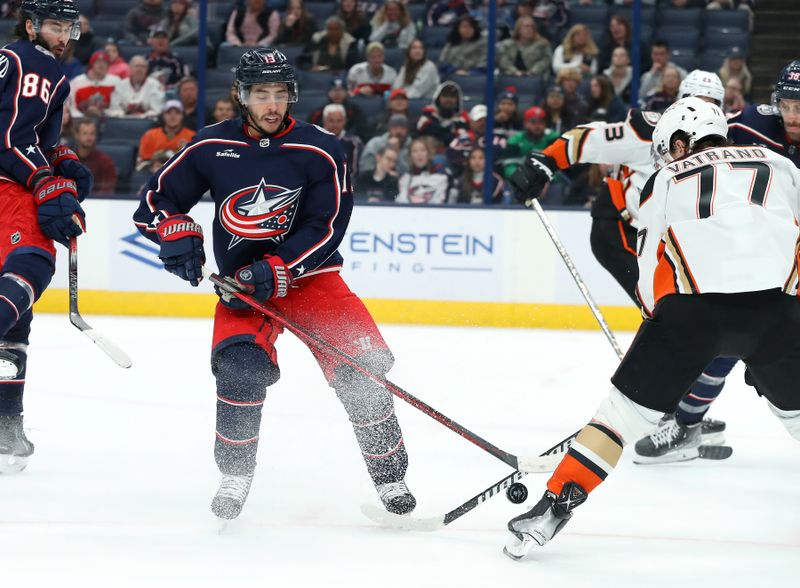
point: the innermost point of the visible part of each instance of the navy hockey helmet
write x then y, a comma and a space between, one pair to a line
787, 86
41, 10
265, 65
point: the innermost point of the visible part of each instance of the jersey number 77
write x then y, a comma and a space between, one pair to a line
757, 194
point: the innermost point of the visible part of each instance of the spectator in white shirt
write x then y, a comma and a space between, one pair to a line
138, 96
371, 77
577, 50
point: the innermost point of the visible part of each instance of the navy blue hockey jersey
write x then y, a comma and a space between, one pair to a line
762, 125
288, 195
33, 89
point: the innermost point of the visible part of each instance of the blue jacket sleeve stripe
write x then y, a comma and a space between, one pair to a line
337, 190
754, 132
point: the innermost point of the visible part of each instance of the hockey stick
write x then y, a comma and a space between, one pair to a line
534, 204
114, 352
313, 340
407, 523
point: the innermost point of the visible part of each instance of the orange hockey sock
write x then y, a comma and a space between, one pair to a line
592, 456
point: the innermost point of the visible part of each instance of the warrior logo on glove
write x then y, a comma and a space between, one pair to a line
259, 212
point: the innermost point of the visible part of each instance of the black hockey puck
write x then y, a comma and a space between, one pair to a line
517, 493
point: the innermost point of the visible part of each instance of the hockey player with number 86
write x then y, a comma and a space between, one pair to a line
41, 185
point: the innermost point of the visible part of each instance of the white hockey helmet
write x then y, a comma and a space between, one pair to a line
702, 83
695, 117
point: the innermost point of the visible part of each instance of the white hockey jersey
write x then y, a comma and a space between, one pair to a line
720, 220
623, 144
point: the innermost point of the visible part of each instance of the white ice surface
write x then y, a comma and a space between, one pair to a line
118, 491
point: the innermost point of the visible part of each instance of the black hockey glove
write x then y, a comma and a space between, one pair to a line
532, 176
182, 247
59, 214
65, 162
263, 280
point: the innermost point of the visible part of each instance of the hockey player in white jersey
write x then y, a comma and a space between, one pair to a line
718, 253
627, 145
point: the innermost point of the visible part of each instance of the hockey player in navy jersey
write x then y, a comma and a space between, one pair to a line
283, 200
776, 125
41, 185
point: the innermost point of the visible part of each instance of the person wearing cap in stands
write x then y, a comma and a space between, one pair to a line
735, 66
396, 104
337, 94
170, 136
397, 137
535, 135
468, 139
507, 119
162, 63
91, 92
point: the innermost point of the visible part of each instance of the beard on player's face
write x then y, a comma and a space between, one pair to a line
268, 119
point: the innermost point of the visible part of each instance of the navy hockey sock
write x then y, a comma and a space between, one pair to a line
378, 433
243, 372
694, 405
23, 278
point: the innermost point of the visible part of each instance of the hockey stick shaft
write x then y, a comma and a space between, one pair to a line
118, 355
313, 340
562, 251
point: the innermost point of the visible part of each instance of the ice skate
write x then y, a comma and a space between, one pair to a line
540, 524
670, 442
712, 432
15, 448
396, 497
232, 493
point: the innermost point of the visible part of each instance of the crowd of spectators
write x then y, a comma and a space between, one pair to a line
393, 79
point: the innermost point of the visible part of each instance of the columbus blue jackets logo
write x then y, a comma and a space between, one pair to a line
257, 213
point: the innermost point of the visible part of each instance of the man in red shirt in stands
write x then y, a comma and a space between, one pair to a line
100, 164
91, 92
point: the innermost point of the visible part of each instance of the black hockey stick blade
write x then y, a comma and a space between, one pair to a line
118, 355
715, 452
430, 524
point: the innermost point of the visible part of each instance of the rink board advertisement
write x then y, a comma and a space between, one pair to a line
410, 264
